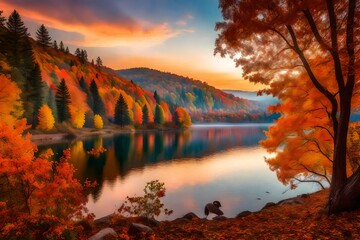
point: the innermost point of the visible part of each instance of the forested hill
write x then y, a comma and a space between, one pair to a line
204, 102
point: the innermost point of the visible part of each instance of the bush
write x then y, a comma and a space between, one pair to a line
98, 122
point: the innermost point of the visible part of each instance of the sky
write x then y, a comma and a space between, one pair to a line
175, 36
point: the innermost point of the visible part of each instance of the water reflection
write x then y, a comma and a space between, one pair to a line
197, 165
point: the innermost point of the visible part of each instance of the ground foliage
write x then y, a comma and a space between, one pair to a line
299, 221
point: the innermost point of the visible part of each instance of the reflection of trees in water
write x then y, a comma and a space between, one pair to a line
126, 152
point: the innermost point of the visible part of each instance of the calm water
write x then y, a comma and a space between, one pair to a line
199, 165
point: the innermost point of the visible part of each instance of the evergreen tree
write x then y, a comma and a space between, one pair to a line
99, 62
2, 20
159, 115
43, 37
67, 50
97, 104
92, 62
157, 97
77, 52
122, 115
55, 45
61, 46
35, 96
145, 111
18, 47
83, 56
49, 99
63, 101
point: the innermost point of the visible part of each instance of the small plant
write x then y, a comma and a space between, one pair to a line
149, 205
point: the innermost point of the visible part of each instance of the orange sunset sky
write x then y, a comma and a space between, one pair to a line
168, 35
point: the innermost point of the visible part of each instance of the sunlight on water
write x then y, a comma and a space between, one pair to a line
208, 162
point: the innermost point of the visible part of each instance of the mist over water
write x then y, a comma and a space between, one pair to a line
221, 162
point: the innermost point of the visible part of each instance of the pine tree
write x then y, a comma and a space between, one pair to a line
157, 97
2, 19
61, 46
18, 47
35, 94
92, 62
63, 101
67, 50
77, 52
98, 105
145, 111
159, 115
83, 56
55, 45
99, 62
49, 99
43, 37
122, 115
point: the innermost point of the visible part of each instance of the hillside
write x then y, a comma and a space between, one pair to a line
204, 102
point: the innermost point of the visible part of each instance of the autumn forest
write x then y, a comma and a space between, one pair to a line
250, 119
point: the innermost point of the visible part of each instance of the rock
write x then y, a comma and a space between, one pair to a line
243, 214
149, 221
137, 228
269, 204
304, 195
219, 218
292, 201
191, 216
106, 232
105, 220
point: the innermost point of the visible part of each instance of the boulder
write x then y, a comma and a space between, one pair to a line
219, 218
292, 201
109, 233
190, 216
104, 220
137, 228
243, 214
268, 205
152, 222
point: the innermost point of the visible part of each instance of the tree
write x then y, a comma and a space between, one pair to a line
55, 45
181, 118
122, 115
145, 113
67, 50
43, 37
2, 19
18, 47
282, 43
99, 62
83, 56
10, 104
98, 122
138, 114
159, 115
97, 104
46, 119
63, 100
26, 179
77, 52
34, 95
157, 97
61, 46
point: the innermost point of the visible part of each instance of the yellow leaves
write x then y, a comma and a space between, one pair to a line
98, 122
78, 118
46, 118
10, 103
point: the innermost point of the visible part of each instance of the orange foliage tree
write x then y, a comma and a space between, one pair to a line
40, 198
181, 118
10, 102
284, 43
46, 118
138, 115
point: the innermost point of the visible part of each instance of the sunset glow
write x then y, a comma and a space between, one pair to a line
170, 36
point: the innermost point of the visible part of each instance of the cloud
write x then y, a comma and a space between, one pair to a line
184, 21
102, 23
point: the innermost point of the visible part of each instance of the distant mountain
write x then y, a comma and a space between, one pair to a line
204, 102
265, 99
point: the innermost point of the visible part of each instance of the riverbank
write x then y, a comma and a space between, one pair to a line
43, 138
302, 217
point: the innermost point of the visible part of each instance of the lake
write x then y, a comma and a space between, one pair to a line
210, 162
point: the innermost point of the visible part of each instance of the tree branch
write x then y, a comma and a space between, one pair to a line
308, 181
316, 173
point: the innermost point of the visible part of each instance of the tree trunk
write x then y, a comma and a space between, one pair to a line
344, 192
